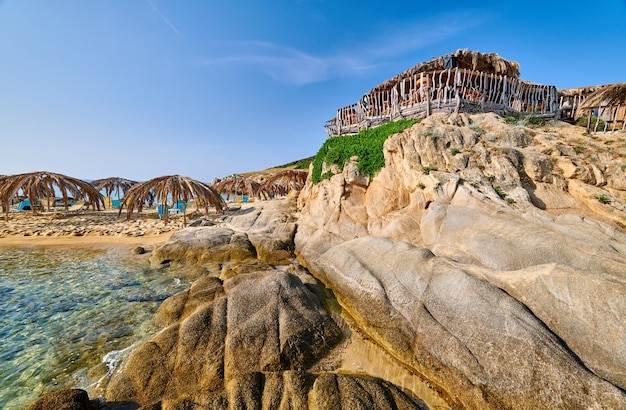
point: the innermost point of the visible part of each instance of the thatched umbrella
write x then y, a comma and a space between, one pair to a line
610, 99
285, 181
175, 188
240, 185
43, 184
113, 184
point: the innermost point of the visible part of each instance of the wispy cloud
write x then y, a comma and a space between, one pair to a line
297, 67
162, 16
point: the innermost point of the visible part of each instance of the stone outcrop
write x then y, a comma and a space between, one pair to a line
245, 343
68, 399
492, 269
264, 231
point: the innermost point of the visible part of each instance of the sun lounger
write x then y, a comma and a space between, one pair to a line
77, 206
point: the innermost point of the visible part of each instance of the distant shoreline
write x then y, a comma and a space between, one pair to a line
107, 241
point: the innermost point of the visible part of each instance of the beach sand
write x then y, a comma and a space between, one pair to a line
91, 228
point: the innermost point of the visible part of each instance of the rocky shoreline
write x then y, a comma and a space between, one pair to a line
479, 302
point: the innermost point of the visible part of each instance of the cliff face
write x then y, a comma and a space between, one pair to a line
488, 257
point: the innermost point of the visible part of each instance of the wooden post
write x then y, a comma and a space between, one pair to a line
589, 120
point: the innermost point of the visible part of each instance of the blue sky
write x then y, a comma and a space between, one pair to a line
144, 88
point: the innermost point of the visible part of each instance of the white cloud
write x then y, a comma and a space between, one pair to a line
297, 67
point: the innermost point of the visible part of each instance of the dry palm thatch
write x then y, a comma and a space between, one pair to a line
608, 95
172, 188
474, 60
281, 183
42, 184
239, 185
113, 184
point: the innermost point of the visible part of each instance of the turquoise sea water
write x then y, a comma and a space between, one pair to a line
64, 311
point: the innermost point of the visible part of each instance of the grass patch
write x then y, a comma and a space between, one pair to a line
454, 151
367, 145
428, 168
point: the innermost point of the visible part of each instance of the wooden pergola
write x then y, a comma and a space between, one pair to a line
465, 81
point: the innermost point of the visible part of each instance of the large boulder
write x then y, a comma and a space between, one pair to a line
264, 230
258, 322
492, 269
67, 399
484, 348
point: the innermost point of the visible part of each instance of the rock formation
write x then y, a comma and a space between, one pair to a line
486, 260
490, 258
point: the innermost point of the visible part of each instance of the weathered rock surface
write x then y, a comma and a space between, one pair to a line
69, 399
245, 344
502, 304
264, 231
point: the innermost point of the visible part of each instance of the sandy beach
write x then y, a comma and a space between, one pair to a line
91, 228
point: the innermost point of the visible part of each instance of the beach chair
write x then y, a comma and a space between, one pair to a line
191, 207
116, 204
77, 206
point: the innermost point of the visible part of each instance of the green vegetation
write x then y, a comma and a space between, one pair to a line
428, 168
299, 164
367, 145
582, 121
499, 191
523, 121
476, 128
421, 185
454, 151
603, 198
510, 200
536, 120
579, 148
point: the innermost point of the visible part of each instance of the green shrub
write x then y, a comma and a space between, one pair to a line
476, 128
421, 185
582, 121
510, 200
511, 120
536, 120
603, 198
367, 145
579, 148
499, 191
454, 151
428, 168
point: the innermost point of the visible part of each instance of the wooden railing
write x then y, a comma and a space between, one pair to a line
449, 90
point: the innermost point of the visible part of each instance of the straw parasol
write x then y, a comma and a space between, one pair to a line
113, 184
173, 188
608, 102
43, 184
608, 95
285, 181
239, 185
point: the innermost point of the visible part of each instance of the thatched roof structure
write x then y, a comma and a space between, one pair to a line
172, 188
464, 58
283, 182
43, 184
240, 185
113, 184
607, 95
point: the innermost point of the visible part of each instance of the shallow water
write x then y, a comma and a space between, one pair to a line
63, 310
